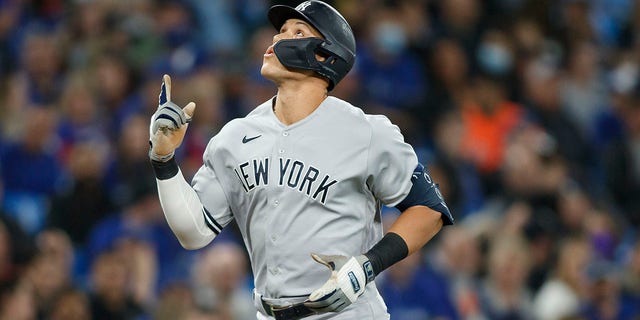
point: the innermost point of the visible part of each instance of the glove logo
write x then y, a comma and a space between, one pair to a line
354, 282
368, 270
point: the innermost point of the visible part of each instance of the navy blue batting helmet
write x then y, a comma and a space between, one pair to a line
338, 45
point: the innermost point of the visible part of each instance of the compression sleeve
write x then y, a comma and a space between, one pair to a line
184, 212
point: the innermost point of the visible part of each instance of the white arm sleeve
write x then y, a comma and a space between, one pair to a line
184, 212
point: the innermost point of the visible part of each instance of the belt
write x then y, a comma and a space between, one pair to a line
292, 312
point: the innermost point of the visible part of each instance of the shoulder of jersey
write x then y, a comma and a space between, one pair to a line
345, 110
355, 113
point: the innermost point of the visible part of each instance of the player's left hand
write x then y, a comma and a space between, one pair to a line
349, 276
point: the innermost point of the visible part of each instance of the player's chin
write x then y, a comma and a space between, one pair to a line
269, 70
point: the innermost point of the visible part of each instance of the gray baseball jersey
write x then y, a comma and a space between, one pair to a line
313, 186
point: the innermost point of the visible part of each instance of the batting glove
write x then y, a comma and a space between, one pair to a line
349, 276
168, 124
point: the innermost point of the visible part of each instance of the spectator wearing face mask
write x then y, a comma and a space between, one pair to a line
390, 75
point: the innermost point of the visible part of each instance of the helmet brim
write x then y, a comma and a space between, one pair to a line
279, 14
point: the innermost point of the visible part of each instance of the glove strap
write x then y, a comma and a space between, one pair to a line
157, 158
154, 157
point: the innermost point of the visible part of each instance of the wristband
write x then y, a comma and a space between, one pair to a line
389, 250
165, 170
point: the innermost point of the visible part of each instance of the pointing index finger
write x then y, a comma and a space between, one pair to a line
165, 90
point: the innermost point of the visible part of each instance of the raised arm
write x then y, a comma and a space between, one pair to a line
182, 207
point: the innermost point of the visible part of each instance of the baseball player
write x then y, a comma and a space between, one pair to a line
304, 175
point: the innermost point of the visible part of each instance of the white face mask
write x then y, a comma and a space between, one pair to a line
624, 77
494, 58
390, 38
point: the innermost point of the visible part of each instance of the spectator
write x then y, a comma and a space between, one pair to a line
574, 206
17, 302
129, 164
9, 20
49, 273
488, 120
449, 72
542, 93
583, 93
453, 273
460, 20
410, 292
31, 171
109, 294
84, 202
605, 299
603, 234
533, 170
139, 233
81, 115
563, 294
505, 294
175, 301
16, 250
220, 282
204, 86
70, 304
630, 276
221, 31
114, 82
385, 58
464, 189
182, 54
621, 162
41, 78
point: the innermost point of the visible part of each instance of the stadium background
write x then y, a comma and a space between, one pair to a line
526, 111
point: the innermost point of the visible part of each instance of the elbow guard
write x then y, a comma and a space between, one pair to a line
425, 192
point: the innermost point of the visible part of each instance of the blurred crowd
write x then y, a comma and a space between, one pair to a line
527, 112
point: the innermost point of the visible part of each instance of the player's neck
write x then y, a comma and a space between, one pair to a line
296, 101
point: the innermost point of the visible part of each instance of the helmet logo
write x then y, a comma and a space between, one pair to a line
303, 5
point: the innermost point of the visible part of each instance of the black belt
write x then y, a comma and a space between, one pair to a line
292, 312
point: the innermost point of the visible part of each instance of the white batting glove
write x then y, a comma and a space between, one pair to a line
168, 124
349, 276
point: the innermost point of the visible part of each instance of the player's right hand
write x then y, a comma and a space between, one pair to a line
168, 124
349, 276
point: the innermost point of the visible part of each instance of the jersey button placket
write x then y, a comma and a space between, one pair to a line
274, 266
281, 150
